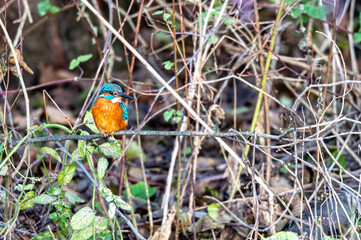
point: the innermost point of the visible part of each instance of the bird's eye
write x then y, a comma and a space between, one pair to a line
111, 93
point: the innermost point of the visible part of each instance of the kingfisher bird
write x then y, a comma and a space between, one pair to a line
110, 113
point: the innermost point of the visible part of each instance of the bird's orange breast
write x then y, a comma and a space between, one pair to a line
108, 116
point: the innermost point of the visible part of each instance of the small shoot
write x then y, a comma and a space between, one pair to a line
82, 58
45, 6
173, 114
168, 65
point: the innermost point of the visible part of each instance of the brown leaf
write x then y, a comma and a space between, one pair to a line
163, 233
50, 73
22, 64
65, 117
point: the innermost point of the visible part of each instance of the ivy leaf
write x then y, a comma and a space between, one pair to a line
100, 224
111, 210
102, 167
167, 115
67, 174
283, 236
315, 11
51, 152
44, 199
45, 6
28, 201
168, 65
166, 16
73, 198
119, 202
75, 156
27, 187
110, 149
54, 191
89, 122
82, 144
83, 218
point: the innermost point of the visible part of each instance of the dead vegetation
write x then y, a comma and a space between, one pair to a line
282, 80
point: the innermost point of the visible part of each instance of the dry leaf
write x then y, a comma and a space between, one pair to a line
22, 64
215, 113
49, 73
65, 117
163, 233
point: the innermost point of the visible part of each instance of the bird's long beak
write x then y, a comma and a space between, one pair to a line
124, 96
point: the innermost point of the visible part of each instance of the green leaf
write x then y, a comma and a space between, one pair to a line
54, 191
290, 166
213, 39
67, 174
138, 190
28, 201
83, 218
159, 12
89, 122
119, 202
44, 236
357, 37
177, 119
73, 64
284, 236
229, 21
73, 198
134, 151
296, 12
45, 6
54, 9
341, 159
100, 224
167, 115
44, 199
110, 149
82, 144
166, 16
4, 170
84, 58
286, 101
213, 210
107, 193
315, 11
111, 210
168, 65
75, 156
102, 167
52, 153
27, 187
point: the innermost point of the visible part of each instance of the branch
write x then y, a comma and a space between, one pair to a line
232, 133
